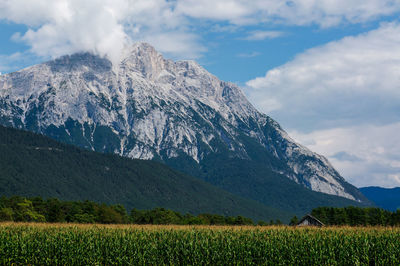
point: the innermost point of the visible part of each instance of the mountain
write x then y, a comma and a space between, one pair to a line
148, 107
34, 165
386, 198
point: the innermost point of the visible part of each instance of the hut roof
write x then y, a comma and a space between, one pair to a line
312, 218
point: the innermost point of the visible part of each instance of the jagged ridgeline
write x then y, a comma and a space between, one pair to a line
148, 107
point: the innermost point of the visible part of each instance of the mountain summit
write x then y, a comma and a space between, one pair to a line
148, 107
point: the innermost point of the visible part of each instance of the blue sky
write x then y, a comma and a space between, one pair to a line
328, 71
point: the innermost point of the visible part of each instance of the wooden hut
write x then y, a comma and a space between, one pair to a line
309, 220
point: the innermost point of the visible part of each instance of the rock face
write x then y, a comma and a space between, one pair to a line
148, 107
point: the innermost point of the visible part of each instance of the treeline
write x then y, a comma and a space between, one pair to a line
21, 209
163, 216
355, 216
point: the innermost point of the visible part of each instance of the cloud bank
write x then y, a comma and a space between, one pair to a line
58, 27
325, 13
353, 80
366, 155
343, 100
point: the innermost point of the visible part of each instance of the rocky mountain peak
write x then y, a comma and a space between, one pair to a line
153, 107
80, 62
143, 58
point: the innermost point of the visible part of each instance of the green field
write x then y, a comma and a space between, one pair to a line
65, 244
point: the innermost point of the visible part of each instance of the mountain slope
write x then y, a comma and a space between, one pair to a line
33, 165
386, 198
151, 108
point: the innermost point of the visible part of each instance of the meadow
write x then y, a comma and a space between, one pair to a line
67, 244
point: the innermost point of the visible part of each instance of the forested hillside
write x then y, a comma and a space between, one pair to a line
33, 165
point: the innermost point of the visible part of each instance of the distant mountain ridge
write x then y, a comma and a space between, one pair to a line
176, 112
386, 198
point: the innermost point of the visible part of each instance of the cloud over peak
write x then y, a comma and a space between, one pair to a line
59, 27
62, 27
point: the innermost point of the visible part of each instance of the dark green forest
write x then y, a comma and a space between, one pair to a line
36, 209
354, 216
34, 165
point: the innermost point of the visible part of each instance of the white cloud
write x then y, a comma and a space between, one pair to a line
297, 12
234, 11
104, 26
342, 100
365, 155
354, 80
62, 27
260, 35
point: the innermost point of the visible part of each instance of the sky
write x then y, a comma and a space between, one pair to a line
327, 70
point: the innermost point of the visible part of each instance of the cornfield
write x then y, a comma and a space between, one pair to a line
43, 244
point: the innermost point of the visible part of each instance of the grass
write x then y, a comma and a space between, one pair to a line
24, 243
